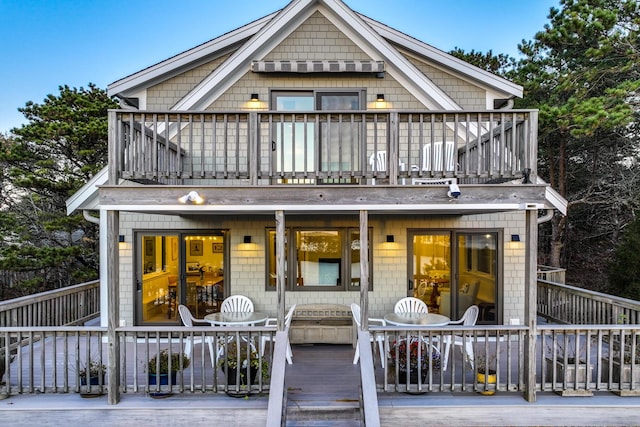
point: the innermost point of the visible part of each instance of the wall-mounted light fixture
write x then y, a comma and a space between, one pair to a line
515, 237
247, 239
255, 97
192, 197
390, 238
380, 97
121, 238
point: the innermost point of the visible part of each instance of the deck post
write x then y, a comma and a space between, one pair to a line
364, 271
393, 159
113, 279
253, 148
531, 283
280, 268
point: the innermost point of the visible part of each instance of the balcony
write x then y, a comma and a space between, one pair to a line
258, 148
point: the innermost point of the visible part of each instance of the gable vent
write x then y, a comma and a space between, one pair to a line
317, 66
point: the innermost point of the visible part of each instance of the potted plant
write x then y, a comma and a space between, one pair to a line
164, 365
94, 371
418, 354
241, 361
486, 373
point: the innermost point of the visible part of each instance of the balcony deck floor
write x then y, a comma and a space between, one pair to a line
322, 378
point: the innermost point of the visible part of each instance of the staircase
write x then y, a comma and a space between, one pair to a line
323, 387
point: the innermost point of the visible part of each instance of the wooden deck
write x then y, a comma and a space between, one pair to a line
323, 390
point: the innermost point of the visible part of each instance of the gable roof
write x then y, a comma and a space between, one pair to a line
257, 38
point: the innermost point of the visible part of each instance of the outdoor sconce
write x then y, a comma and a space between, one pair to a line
390, 238
247, 239
380, 97
515, 237
255, 97
121, 238
192, 197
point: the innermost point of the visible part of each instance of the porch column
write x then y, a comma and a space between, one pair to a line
113, 279
531, 283
364, 270
280, 268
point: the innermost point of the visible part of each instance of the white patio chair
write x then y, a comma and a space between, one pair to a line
188, 320
274, 322
378, 163
437, 156
469, 318
355, 310
237, 303
410, 305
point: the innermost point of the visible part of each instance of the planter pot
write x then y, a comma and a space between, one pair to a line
93, 380
488, 383
412, 387
413, 376
244, 388
576, 380
163, 379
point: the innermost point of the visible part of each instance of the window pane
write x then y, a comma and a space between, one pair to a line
432, 270
159, 291
478, 283
319, 258
271, 259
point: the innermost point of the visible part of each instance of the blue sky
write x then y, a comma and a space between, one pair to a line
48, 43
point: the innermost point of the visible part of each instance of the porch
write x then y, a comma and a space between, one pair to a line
322, 387
43, 373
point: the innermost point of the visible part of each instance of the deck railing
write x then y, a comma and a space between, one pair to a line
258, 148
72, 305
568, 359
577, 306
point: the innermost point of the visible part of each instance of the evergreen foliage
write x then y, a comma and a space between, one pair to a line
45, 162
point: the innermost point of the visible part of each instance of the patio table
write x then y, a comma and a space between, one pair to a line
236, 318
416, 319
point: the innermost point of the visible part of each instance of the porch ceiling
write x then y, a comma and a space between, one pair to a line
304, 199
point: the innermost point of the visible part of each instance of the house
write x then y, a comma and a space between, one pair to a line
311, 155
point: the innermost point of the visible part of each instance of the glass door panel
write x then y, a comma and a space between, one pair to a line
294, 141
431, 270
478, 267
203, 283
158, 290
178, 269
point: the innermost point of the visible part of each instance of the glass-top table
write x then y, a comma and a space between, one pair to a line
233, 318
416, 319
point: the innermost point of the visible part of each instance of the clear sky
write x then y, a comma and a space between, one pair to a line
48, 43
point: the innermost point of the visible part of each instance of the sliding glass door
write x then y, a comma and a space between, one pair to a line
452, 270
178, 268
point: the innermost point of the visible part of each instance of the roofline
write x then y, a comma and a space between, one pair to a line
187, 58
88, 192
447, 60
383, 33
